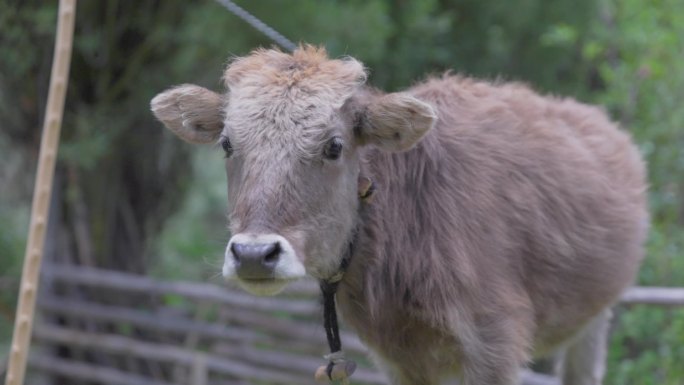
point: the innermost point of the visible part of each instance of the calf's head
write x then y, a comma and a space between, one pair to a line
292, 127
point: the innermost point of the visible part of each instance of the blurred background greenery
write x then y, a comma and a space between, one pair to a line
131, 197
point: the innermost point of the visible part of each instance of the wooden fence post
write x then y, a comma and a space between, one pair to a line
41, 193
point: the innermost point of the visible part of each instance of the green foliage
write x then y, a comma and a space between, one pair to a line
646, 347
193, 240
12, 238
13, 226
636, 48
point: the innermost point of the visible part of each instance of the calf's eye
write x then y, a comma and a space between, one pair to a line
333, 149
227, 147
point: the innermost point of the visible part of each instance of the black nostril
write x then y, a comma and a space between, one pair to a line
272, 257
236, 254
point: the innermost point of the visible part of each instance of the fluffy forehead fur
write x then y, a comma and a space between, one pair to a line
277, 96
307, 67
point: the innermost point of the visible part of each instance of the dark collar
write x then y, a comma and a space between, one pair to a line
332, 331
366, 188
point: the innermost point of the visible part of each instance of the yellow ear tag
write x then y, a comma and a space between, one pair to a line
366, 189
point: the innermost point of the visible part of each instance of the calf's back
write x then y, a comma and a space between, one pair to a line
517, 212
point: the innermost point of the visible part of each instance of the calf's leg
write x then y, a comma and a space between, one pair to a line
498, 351
422, 373
585, 358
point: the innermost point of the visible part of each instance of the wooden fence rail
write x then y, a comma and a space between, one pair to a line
304, 333
197, 291
664, 296
121, 281
247, 362
247, 340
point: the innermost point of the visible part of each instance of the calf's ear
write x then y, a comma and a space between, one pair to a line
396, 121
192, 112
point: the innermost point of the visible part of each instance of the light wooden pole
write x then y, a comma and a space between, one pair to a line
41, 193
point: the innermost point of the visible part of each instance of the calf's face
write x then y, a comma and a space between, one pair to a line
292, 128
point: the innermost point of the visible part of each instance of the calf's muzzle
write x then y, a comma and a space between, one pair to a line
256, 260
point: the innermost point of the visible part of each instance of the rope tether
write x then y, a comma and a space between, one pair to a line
258, 25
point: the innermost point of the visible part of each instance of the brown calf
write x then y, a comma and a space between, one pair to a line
503, 227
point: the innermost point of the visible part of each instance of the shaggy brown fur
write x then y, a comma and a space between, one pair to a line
499, 233
514, 222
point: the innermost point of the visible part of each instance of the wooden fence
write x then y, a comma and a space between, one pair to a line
105, 327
